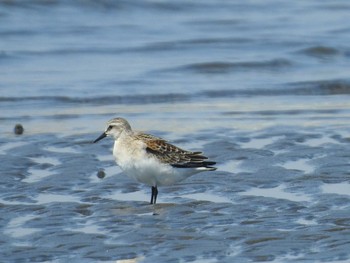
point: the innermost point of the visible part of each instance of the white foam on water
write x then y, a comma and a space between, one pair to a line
301, 164
208, 197
105, 157
16, 229
36, 175
88, 227
131, 260
320, 141
340, 188
61, 149
52, 198
4, 148
343, 133
257, 143
260, 143
306, 222
44, 199
201, 260
44, 160
234, 250
5, 202
277, 192
232, 166
288, 257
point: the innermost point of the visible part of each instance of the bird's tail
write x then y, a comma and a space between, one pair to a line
204, 165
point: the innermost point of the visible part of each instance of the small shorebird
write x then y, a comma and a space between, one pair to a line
152, 160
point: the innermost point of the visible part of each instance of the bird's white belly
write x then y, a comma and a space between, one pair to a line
153, 173
149, 170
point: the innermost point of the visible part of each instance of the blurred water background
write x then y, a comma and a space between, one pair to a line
262, 86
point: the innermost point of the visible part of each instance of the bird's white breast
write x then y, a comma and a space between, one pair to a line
132, 158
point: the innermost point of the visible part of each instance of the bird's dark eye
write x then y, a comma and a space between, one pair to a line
109, 127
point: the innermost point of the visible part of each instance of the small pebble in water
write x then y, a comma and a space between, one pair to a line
18, 129
101, 174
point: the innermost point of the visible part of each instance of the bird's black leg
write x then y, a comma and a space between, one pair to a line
154, 195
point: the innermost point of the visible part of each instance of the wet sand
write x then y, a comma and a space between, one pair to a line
276, 196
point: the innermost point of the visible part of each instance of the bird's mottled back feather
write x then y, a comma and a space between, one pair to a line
171, 154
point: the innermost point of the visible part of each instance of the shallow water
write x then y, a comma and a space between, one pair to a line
262, 88
273, 208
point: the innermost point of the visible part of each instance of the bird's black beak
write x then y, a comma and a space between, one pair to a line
101, 137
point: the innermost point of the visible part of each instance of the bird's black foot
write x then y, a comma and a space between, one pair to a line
154, 195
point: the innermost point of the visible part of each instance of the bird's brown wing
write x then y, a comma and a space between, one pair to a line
173, 155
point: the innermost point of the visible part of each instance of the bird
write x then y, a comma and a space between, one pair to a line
152, 160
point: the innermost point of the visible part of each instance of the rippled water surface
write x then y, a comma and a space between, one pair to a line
262, 87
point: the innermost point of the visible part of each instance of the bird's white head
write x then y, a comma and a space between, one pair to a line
114, 128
